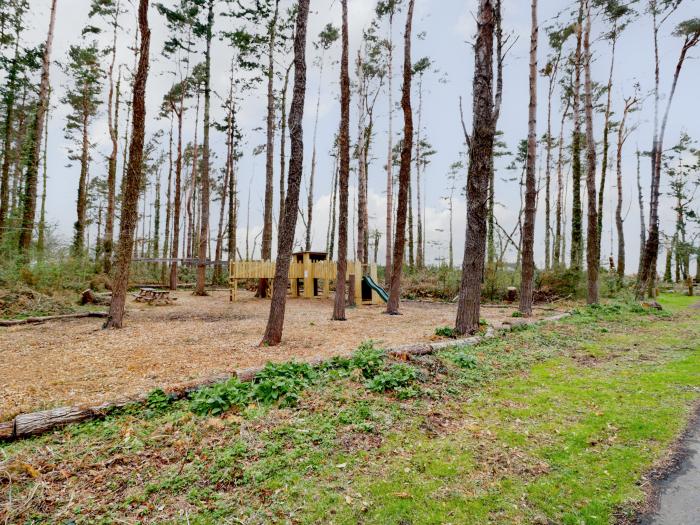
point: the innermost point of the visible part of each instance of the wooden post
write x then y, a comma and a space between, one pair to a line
308, 277
373, 274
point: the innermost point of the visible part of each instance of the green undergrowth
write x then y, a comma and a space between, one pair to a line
553, 423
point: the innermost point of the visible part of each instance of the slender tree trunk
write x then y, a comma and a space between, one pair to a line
112, 125
310, 195
606, 141
389, 159
528, 241
275, 321
576, 169
81, 202
232, 190
558, 254
177, 198
651, 247
7, 139
283, 144
593, 237
420, 259
392, 306
548, 169
480, 160
343, 171
619, 223
41, 236
266, 247
168, 204
133, 178
204, 197
334, 200
642, 220
33, 155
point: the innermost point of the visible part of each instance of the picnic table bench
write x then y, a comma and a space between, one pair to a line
154, 296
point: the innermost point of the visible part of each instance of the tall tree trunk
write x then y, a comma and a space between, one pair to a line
232, 191
332, 224
41, 235
548, 168
133, 178
33, 155
528, 241
392, 306
619, 223
558, 252
343, 171
266, 247
283, 143
606, 141
389, 158
642, 220
81, 202
480, 160
112, 125
168, 204
592, 241
651, 247
204, 197
7, 139
275, 321
576, 169
312, 176
420, 259
177, 195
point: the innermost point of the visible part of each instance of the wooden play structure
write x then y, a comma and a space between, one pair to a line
310, 275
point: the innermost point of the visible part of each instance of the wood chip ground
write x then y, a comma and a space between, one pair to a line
75, 362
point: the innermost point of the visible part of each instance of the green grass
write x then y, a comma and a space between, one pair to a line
550, 424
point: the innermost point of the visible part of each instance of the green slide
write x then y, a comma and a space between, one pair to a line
374, 286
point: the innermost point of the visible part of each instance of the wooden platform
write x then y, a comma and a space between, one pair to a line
307, 278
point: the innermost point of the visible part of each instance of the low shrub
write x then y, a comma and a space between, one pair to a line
395, 377
368, 359
445, 331
218, 398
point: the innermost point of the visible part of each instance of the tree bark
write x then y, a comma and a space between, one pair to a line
283, 143
7, 139
81, 202
34, 153
389, 159
528, 254
619, 223
266, 247
576, 169
642, 221
133, 177
204, 196
275, 321
112, 125
344, 171
651, 247
592, 241
392, 306
606, 141
480, 159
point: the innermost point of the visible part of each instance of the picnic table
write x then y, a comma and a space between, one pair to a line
154, 296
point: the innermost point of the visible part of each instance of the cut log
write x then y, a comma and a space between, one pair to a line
91, 297
511, 294
7, 430
39, 422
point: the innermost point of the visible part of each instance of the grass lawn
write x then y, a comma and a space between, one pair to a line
549, 424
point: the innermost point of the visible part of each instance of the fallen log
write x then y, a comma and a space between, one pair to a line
43, 319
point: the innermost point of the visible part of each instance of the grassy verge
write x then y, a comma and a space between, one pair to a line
550, 424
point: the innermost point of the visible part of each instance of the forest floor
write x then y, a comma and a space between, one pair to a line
76, 363
555, 423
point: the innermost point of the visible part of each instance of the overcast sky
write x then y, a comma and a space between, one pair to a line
449, 28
